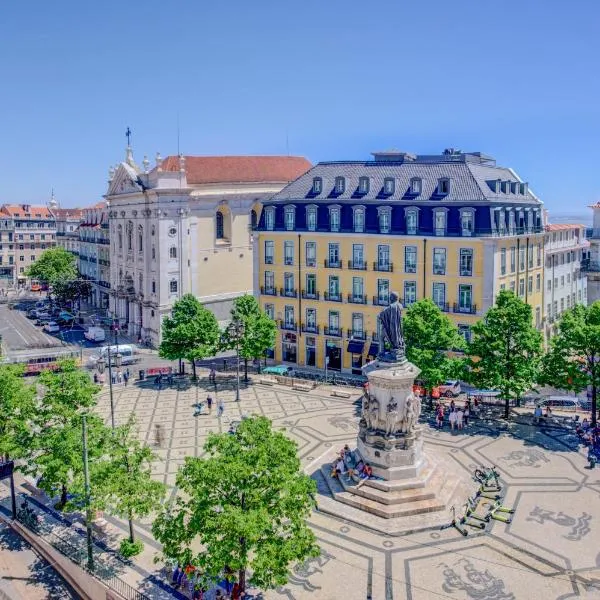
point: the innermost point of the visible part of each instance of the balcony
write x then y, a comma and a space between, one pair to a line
465, 310
268, 260
268, 291
333, 264
288, 326
288, 261
384, 267
337, 297
104, 262
311, 328
469, 272
333, 331
288, 293
357, 265
443, 306
306, 295
381, 300
357, 298
357, 335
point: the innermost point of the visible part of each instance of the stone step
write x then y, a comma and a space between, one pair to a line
404, 484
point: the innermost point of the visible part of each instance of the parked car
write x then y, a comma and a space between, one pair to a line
31, 314
52, 327
127, 352
560, 402
450, 388
283, 370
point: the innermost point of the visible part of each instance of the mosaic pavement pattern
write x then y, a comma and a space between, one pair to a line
549, 552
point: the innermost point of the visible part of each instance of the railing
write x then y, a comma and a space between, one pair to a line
105, 242
383, 267
357, 265
381, 301
288, 326
288, 293
104, 284
332, 264
332, 297
104, 262
334, 331
310, 295
311, 328
443, 306
469, 272
468, 310
268, 260
288, 261
357, 335
268, 291
357, 298
311, 262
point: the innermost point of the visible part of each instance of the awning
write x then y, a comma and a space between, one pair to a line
373, 349
355, 346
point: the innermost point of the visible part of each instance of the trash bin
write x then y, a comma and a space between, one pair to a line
142, 374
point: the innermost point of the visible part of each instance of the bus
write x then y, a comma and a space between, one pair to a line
46, 359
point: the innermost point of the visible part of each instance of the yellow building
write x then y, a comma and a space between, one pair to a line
334, 243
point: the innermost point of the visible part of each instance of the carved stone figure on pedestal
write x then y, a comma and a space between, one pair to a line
365, 415
373, 420
409, 422
391, 417
390, 329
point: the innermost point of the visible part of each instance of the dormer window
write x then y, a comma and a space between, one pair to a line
317, 185
334, 218
439, 221
443, 186
389, 185
270, 218
359, 219
363, 185
311, 218
467, 221
340, 185
290, 218
385, 219
415, 186
412, 220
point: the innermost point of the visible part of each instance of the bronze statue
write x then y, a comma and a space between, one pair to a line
390, 328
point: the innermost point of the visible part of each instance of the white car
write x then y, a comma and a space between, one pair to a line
450, 388
52, 327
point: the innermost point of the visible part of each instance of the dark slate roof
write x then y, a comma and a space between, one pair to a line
470, 177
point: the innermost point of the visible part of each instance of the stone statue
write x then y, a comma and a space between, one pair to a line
365, 408
390, 327
410, 421
373, 419
417, 405
391, 417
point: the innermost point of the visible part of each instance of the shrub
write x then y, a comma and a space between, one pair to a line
129, 549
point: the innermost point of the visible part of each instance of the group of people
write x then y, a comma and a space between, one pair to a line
116, 377
209, 405
458, 416
350, 464
189, 577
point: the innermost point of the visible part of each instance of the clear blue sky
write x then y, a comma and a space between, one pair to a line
517, 79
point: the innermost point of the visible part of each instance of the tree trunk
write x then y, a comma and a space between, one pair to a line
180, 366
194, 370
594, 405
242, 580
63, 496
131, 536
246, 370
506, 407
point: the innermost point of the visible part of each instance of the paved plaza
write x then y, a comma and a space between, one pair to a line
549, 551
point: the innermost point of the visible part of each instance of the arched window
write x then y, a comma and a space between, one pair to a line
120, 276
130, 236
140, 238
220, 226
173, 252
120, 236
253, 219
153, 231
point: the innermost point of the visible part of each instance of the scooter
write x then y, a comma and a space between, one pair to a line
471, 510
457, 524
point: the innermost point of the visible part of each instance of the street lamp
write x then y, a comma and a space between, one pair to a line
115, 360
236, 333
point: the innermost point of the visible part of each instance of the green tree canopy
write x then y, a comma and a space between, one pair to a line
506, 348
243, 507
53, 266
191, 332
259, 330
573, 360
429, 334
17, 407
71, 290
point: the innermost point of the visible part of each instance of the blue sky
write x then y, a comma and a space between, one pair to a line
517, 79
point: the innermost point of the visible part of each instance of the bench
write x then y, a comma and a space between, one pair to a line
266, 381
302, 387
340, 394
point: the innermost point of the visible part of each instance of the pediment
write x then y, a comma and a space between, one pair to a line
125, 181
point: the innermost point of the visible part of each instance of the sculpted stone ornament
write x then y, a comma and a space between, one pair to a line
390, 327
391, 417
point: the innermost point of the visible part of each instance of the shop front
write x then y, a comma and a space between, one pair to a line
333, 353
355, 349
289, 347
311, 351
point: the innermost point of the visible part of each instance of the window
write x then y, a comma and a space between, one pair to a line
389, 184
269, 281
288, 252
288, 317
412, 221
439, 294
340, 185
288, 284
358, 256
311, 285
562, 281
270, 218
439, 261
521, 286
465, 331
410, 292
466, 262
32, 257
43, 236
334, 321
220, 226
269, 251
530, 284
153, 231
562, 304
384, 219
358, 288
317, 185
173, 286
334, 287
549, 285
440, 221
359, 219
383, 291
270, 311
357, 325
555, 282
311, 218
129, 231
530, 257
513, 259
443, 186
465, 298
334, 255
290, 218
154, 287
521, 258
120, 236
502, 261
311, 254
538, 282
467, 222
21, 258
502, 286
363, 185
383, 257
410, 259
334, 218
173, 252
311, 319
415, 186
539, 255
21, 246
568, 278
140, 238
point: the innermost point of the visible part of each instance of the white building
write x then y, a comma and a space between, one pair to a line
94, 253
185, 226
565, 283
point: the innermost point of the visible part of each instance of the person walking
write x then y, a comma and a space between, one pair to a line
439, 415
452, 419
459, 418
212, 376
96, 378
209, 403
467, 412
119, 376
220, 408
125, 378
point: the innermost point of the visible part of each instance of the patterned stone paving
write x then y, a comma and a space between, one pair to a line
550, 550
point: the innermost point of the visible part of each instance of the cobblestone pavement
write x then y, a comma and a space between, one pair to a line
549, 551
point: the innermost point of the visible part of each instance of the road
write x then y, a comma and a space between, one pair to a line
20, 333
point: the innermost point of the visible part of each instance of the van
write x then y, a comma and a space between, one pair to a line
126, 351
560, 402
95, 334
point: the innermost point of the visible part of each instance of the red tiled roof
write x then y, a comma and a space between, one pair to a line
563, 226
239, 169
20, 210
63, 213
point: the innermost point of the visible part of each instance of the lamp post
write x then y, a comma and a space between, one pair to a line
236, 333
101, 365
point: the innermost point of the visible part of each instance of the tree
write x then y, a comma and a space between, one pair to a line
122, 480
429, 334
244, 507
573, 360
506, 349
53, 266
17, 405
191, 332
259, 330
71, 290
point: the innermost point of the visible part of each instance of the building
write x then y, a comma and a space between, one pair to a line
67, 226
331, 246
185, 226
565, 282
25, 232
591, 262
94, 253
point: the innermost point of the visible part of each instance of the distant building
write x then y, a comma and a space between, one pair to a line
94, 253
591, 265
565, 280
67, 226
185, 226
25, 232
334, 243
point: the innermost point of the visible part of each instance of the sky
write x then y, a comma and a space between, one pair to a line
516, 79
